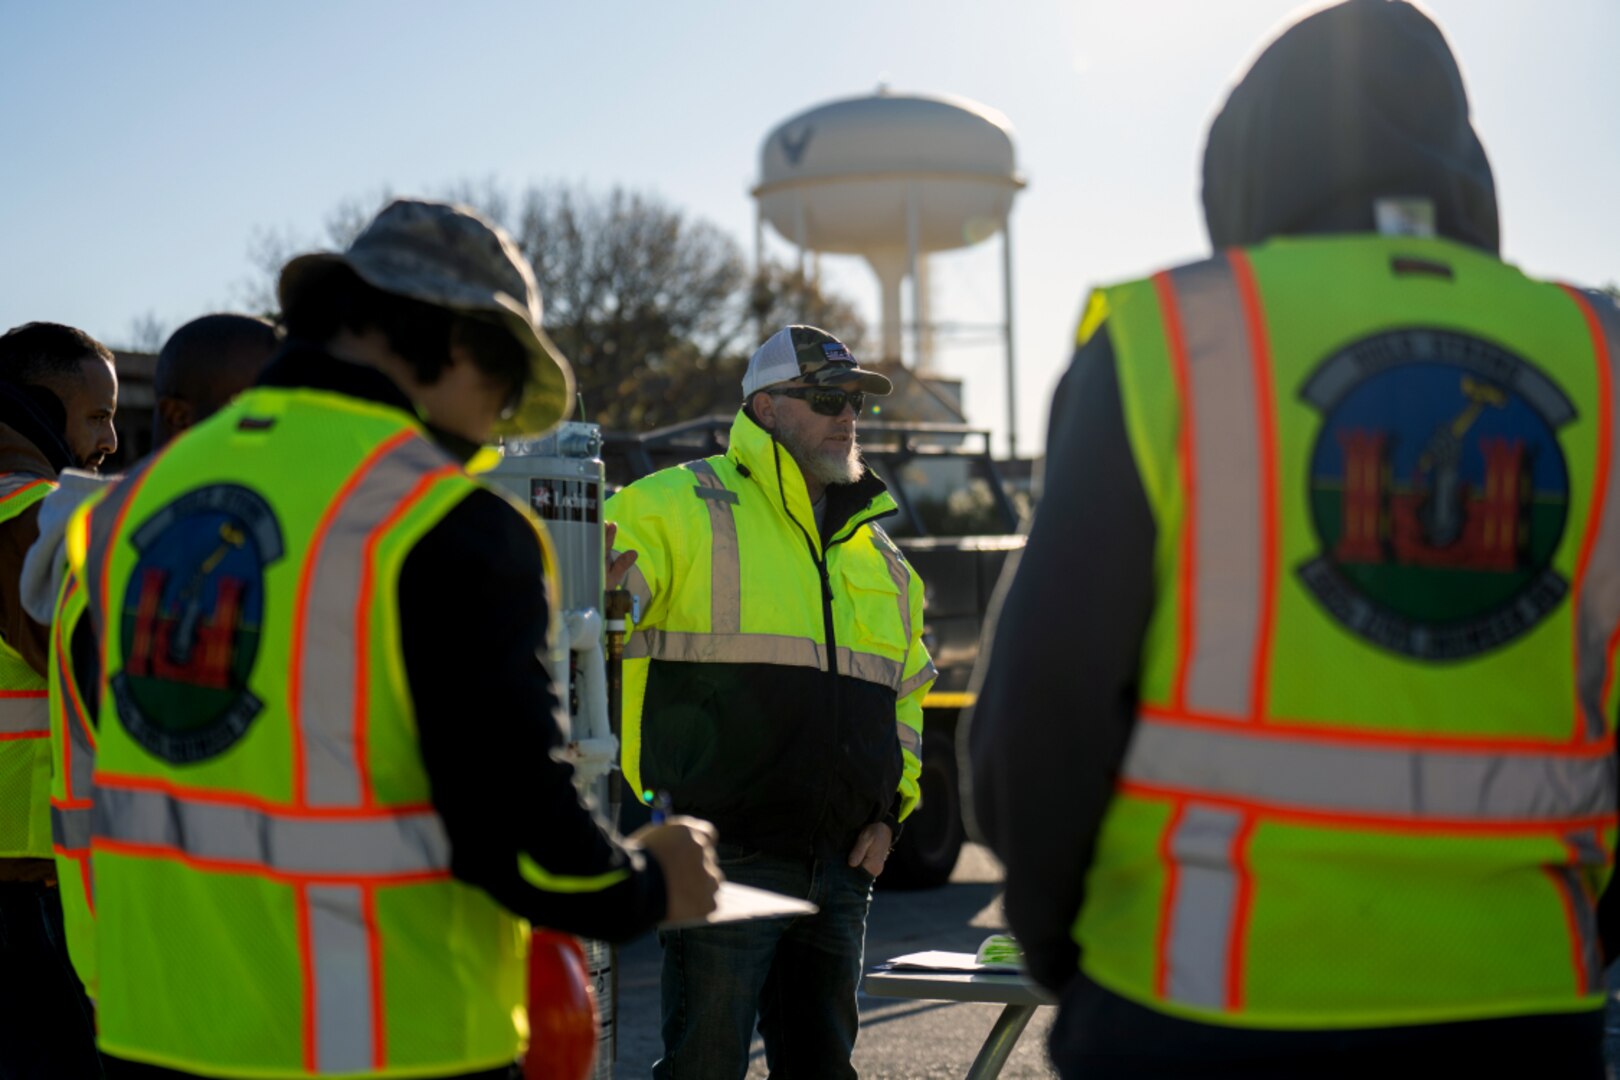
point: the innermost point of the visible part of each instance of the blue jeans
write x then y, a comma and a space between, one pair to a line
1611, 1020
46, 1029
796, 976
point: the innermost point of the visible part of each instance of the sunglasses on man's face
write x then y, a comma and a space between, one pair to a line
824, 401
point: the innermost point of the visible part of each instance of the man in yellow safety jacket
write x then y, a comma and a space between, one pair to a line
58, 393
202, 366
325, 798
774, 686
1298, 734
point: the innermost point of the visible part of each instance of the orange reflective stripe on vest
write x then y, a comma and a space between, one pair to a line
1595, 645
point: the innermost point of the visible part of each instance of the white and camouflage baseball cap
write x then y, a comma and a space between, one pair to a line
811, 355
452, 257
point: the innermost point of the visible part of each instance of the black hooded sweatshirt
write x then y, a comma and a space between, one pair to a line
1355, 103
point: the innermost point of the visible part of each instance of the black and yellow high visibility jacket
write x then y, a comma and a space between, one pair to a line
775, 676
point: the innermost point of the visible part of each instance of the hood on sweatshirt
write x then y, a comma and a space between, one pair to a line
1355, 104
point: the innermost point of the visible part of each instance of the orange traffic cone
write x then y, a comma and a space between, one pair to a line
562, 1012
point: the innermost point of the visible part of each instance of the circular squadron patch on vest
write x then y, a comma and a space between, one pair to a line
1438, 492
191, 621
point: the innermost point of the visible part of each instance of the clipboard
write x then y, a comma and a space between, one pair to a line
737, 903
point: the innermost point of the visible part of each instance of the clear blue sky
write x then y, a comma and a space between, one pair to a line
142, 144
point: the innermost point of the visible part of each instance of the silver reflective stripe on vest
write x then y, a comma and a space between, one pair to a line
331, 620
1598, 602
25, 715
1203, 907
1344, 778
80, 751
340, 943
387, 845
1225, 497
12, 483
1587, 854
70, 829
725, 559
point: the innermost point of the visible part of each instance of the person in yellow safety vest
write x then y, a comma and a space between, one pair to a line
203, 365
774, 684
58, 394
325, 798
1297, 737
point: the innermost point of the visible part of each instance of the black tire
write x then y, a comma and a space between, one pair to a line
933, 835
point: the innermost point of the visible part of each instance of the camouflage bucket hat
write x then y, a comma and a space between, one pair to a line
452, 257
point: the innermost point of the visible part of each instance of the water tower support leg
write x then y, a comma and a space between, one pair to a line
798, 233
913, 229
1007, 309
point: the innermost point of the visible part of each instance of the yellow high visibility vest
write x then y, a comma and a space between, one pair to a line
1372, 777
272, 884
25, 752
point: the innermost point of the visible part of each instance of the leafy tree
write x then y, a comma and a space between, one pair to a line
656, 310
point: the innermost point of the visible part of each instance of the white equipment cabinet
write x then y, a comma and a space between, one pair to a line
559, 476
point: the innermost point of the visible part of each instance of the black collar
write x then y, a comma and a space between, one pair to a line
302, 365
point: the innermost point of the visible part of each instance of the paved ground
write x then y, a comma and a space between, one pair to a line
900, 1040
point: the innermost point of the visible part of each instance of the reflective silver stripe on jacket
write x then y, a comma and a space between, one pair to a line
1225, 502
927, 674
1334, 777
333, 623
900, 574
389, 844
910, 739
25, 715
1598, 602
695, 648
725, 559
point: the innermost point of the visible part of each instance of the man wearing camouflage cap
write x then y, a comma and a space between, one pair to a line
325, 794
774, 686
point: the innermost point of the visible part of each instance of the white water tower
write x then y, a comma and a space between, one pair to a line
892, 177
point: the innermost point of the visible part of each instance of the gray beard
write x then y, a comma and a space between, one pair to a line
824, 467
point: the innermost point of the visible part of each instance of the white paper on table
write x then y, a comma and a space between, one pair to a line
937, 960
734, 903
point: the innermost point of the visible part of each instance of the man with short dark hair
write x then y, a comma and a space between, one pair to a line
58, 394
203, 365
774, 686
68, 385
325, 796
